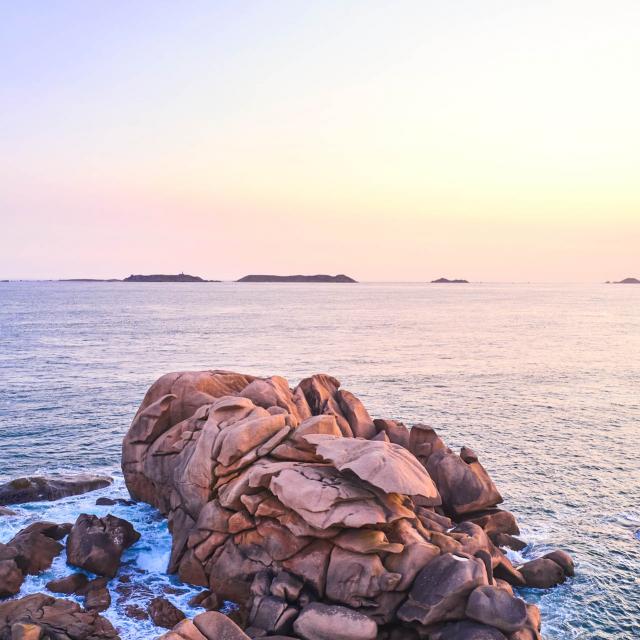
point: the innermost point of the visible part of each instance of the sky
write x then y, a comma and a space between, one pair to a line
392, 141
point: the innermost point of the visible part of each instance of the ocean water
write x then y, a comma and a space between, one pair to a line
542, 381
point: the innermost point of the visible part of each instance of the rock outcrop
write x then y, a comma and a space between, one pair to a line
29, 552
97, 544
41, 616
319, 521
39, 488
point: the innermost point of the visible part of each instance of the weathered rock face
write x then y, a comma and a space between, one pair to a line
38, 488
319, 520
43, 616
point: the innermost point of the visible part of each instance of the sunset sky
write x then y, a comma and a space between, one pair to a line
494, 141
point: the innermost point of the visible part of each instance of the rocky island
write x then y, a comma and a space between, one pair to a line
626, 281
447, 281
180, 277
317, 520
298, 278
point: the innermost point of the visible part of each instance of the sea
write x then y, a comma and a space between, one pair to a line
541, 380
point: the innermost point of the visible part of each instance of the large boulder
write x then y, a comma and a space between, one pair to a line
333, 622
52, 618
440, 591
311, 515
464, 485
97, 544
29, 552
542, 573
563, 559
39, 488
496, 607
214, 625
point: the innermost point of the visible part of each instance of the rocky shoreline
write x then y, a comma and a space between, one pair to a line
318, 521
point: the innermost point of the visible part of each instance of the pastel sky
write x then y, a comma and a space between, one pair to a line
493, 140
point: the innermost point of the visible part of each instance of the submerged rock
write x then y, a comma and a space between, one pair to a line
319, 521
39, 488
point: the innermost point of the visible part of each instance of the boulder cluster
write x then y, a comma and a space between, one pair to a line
93, 544
42, 617
323, 523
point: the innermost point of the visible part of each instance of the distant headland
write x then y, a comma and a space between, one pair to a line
317, 278
625, 281
447, 281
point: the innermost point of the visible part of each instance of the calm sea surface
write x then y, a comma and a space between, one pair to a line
542, 381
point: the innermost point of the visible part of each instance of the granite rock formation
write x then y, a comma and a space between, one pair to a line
320, 521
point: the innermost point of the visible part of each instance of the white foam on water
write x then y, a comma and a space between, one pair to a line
142, 575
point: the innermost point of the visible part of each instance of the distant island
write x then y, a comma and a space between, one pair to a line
625, 281
447, 281
180, 277
317, 278
89, 280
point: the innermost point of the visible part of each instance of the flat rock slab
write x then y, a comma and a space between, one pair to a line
47, 488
